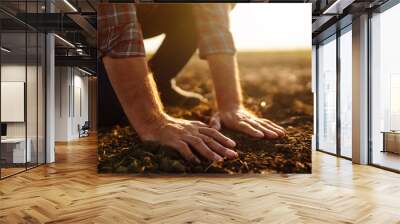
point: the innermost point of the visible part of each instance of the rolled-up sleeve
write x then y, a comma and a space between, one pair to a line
212, 21
119, 32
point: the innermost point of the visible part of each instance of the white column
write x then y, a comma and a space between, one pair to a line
50, 99
360, 90
50, 93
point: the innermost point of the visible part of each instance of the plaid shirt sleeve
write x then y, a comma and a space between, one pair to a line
213, 29
119, 32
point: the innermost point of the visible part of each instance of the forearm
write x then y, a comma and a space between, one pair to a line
225, 75
136, 91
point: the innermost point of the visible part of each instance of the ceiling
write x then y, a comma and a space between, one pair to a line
75, 24
331, 15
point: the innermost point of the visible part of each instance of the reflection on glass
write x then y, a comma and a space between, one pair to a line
14, 153
395, 102
31, 101
41, 99
345, 94
22, 90
386, 89
327, 96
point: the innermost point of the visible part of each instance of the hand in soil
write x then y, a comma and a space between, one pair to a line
244, 121
180, 134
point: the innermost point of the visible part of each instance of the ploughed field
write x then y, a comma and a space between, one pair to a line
276, 85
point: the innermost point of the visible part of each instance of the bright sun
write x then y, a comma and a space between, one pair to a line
265, 26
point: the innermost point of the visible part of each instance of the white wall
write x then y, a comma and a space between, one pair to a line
71, 94
11, 73
15, 72
62, 81
80, 111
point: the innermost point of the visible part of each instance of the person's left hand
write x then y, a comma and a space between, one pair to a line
244, 121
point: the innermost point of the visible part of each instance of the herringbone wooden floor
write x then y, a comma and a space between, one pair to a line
70, 191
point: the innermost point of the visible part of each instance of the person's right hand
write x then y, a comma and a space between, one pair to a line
180, 134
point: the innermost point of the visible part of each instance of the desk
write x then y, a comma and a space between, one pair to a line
13, 150
391, 141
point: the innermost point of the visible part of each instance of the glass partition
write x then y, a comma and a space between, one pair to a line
346, 92
327, 95
31, 100
22, 90
41, 96
15, 151
385, 89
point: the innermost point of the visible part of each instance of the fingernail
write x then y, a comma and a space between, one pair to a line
231, 154
235, 154
218, 158
232, 143
259, 134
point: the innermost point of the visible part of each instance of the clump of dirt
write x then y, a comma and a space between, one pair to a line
276, 86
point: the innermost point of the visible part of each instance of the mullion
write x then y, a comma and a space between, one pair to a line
45, 86
0, 95
338, 100
26, 87
317, 96
37, 90
369, 77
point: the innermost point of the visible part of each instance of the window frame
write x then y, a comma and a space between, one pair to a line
27, 29
337, 34
381, 9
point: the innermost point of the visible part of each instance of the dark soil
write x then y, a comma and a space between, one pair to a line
276, 86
